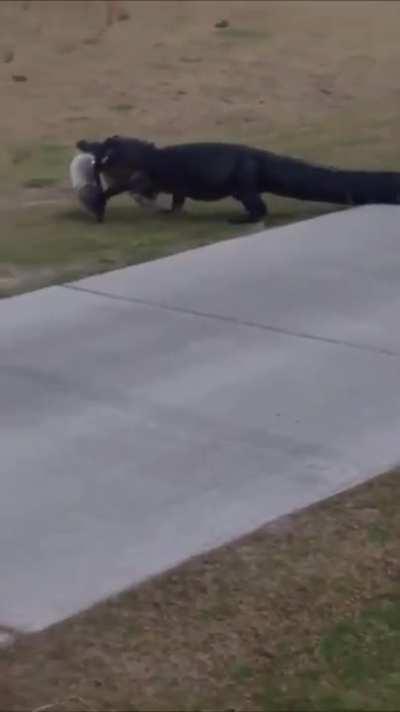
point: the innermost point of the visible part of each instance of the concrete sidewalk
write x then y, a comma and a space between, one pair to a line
154, 412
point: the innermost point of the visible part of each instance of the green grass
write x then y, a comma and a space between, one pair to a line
122, 107
35, 165
45, 244
39, 182
356, 667
242, 33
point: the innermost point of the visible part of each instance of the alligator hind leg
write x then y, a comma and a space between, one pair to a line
247, 192
255, 207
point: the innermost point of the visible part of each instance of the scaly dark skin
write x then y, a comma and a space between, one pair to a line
212, 171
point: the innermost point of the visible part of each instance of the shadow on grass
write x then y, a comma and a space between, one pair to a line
197, 215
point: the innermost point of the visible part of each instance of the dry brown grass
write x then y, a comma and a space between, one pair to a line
233, 630
276, 76
280, 67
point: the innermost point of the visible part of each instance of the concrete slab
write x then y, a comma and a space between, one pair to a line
134, 435
334, 277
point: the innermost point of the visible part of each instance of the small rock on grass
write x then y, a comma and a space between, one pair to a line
221, 24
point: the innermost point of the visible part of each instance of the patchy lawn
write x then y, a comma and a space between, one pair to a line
303, 614
271, 74
55, 241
